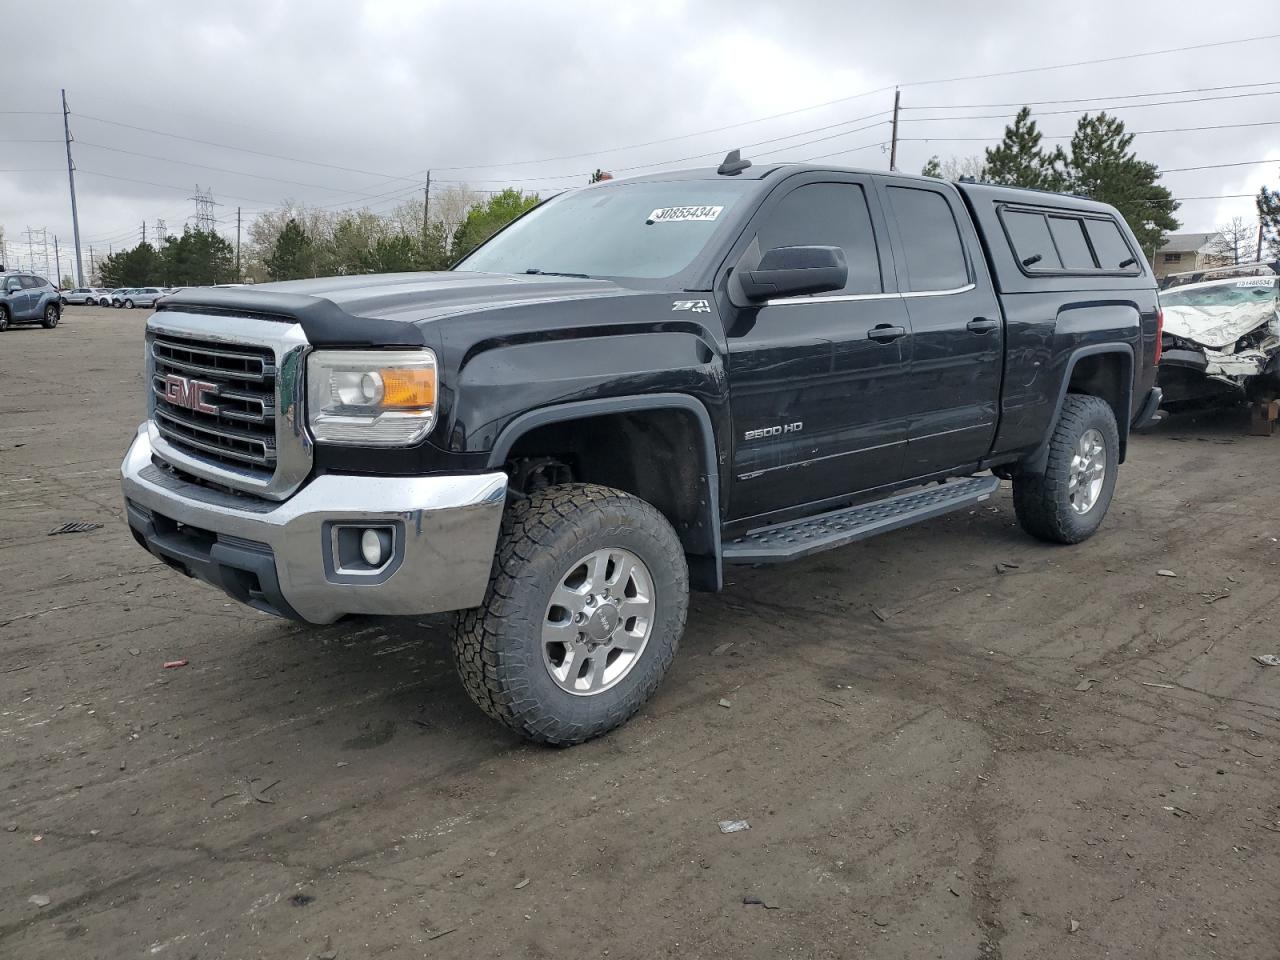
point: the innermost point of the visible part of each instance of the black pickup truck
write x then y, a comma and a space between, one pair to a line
629, 387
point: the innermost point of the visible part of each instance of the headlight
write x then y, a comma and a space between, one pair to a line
378, 398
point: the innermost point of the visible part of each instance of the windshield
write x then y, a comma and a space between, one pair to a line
646, 230
1227, 293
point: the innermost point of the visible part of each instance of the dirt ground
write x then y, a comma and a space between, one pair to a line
907, 735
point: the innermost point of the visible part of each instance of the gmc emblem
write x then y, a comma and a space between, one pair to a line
182, 392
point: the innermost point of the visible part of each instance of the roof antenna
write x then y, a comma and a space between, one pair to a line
733, 164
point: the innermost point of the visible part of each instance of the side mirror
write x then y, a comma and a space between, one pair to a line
792, 271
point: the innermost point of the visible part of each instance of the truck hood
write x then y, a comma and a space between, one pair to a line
1217, 326
383, 310
412, 297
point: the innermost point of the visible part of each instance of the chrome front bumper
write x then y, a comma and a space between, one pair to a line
280, 556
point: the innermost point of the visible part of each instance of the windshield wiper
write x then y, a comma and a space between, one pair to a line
554, 273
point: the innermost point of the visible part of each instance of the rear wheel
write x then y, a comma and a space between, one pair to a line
51, 314
1067, 503
582, 617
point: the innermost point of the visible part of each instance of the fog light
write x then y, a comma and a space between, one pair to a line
371, 547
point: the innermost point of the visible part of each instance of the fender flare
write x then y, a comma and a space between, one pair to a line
1038, 461
708, 576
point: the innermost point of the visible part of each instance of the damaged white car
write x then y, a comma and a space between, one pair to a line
1221, 340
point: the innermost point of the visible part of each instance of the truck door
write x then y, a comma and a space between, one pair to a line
957, 332
816, 382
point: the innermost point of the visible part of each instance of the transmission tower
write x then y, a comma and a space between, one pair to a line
205, 219
162, 231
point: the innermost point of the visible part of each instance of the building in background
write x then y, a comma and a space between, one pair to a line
1187, 251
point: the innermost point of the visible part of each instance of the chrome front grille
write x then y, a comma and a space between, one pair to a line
241, 429
225, 399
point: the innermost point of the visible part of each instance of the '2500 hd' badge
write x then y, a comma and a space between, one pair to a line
693, 306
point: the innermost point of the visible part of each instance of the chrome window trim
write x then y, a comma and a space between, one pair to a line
294, 447
852, 297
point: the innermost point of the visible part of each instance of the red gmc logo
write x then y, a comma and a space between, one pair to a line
182, 392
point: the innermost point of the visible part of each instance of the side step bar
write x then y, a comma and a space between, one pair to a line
826, 531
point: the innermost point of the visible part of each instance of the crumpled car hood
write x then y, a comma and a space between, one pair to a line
1217, 326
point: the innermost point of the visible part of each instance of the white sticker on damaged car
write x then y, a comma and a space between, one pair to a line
680, 214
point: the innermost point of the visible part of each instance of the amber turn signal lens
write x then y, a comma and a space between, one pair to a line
408, 387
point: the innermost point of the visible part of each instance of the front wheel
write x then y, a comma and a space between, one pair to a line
51, 314
1067, 503
4, 318
129, 304
582, 617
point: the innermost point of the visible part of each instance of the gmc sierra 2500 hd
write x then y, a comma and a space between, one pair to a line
629, 387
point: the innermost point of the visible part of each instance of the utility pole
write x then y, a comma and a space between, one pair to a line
426, 204
238, 245
57, 262
71, 179
91, 259
1258, 251
144, 231
893, 146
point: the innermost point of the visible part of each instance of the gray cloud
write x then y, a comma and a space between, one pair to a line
394, 88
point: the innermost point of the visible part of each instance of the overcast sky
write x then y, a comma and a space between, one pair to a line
497, 93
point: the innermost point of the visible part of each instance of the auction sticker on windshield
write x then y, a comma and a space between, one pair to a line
677, 214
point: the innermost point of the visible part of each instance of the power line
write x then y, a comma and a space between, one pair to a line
1090, 63
1219, 126
1218, 166
1110, 106
205, 166
227, 146
168, 186
1119, 96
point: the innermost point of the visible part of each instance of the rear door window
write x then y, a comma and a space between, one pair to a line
828, 214
930, 239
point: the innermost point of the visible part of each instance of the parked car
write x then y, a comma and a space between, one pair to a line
1222, 337
143, 296
27, 298
88, 296
630, 387
118, 295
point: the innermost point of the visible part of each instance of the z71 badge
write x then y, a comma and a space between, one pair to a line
693, 306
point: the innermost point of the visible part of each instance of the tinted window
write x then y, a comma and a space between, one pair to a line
1032, 244
1110, 246
30, 282
930, 239
828, 214
1068, 234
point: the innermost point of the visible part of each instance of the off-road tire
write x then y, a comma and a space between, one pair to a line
497, 646
4, 318
1042, 501
51, 314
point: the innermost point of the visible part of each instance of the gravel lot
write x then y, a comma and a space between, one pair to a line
907, 735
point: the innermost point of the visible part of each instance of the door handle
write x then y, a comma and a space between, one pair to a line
981, 325
884, 333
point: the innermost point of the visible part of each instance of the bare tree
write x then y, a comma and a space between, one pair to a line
953, 168
1235, 243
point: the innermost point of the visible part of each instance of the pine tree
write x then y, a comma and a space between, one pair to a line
932, 168
293, 254
1269, 213
1020, 161
1103, 167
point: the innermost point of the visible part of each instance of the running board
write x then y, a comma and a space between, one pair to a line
826, 531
